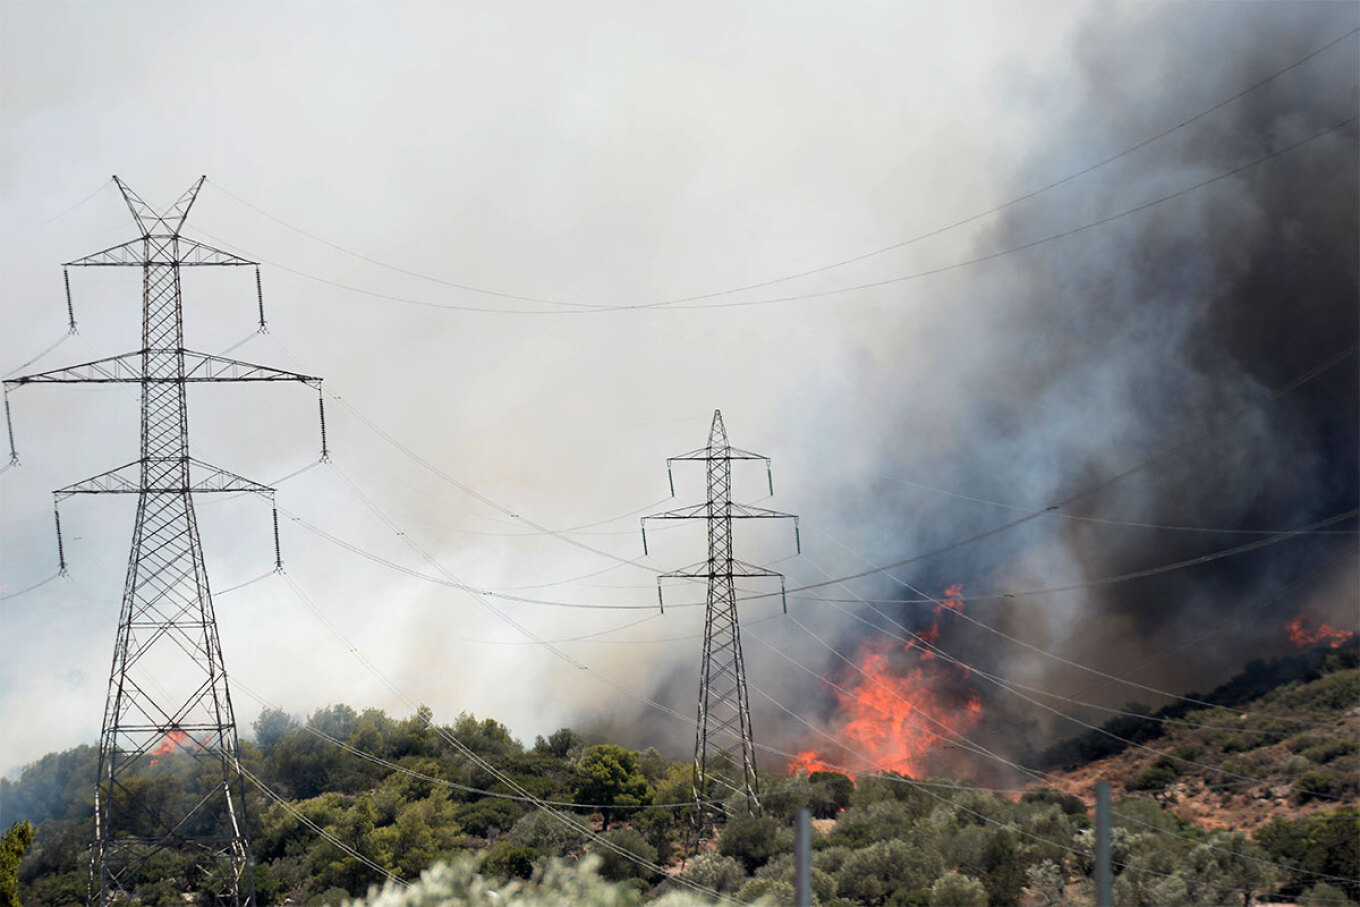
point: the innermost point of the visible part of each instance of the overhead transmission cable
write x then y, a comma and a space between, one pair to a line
962, 614
1189, 439
481, 762
699, 297
912, 637
833, 291
1105, 521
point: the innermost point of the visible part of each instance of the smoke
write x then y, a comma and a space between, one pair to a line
652, 153
1079, 359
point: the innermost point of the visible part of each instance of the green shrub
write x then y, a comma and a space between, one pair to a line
752, 840
625, 856
954, 890
716, 872
506, 859
1156, 777
1069, 804
1328, 750
1324, 895
1315, 786
551, 833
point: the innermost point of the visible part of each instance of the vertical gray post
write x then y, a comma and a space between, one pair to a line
802, 859
1104, 876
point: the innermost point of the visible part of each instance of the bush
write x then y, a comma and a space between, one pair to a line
752, 840
1324, 895
716, 872
457, 884
772, 889
1321, 844
552, 834
487, 818
1315, 786
1158, 777
507, 859
1069, 804
1331, 749
875, 872
628, 856
831, 792
954, 890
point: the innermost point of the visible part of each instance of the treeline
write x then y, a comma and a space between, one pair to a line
409, 794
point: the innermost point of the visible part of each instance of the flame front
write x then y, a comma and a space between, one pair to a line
894, 720
1305, 631
174, 739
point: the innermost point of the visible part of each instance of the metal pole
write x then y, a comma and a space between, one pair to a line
802, 859
1104, 876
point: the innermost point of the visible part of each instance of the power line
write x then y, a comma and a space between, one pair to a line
517, 297
1191, 438
841, 290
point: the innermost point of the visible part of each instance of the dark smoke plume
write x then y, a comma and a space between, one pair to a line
1157, 328
1027, 380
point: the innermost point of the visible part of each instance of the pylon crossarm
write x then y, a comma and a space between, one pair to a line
728, 453
125, 479
159, 249
743, 569
207, 367
696, 512
126, 368
747, 512
216, 478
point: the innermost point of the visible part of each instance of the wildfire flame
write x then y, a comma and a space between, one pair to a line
895, 720
174, 739
1305, 630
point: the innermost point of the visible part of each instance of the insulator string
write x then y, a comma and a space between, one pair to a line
259, 296
61, 546
70, 309
321, 408
9, 428
278, 551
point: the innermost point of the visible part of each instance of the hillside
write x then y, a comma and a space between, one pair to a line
1215, 806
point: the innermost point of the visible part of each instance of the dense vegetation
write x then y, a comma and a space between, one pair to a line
406, 796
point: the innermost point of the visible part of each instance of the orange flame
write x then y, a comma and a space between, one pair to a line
895, 720
1305, 631
173, 741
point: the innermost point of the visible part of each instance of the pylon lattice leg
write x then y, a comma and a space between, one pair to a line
168, 708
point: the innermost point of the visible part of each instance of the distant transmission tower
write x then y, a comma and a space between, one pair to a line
168, 701
724, 745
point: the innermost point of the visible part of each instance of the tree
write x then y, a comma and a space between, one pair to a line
954, 890
551, 833
715, 872
609, 776
271, 727
12, 848
559, 743
627, 856
752, 840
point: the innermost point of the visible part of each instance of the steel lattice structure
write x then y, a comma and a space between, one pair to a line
168, 709
724, 744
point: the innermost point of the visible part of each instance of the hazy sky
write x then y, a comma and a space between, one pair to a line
598, 155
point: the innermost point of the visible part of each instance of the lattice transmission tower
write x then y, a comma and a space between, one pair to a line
724, 744
168, 711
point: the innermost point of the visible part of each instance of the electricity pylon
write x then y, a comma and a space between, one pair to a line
724, 745
168, 700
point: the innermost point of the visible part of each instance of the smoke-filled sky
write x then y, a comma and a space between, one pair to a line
588, 161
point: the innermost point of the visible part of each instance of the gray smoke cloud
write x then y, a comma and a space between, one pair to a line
630, 154
1074, 361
